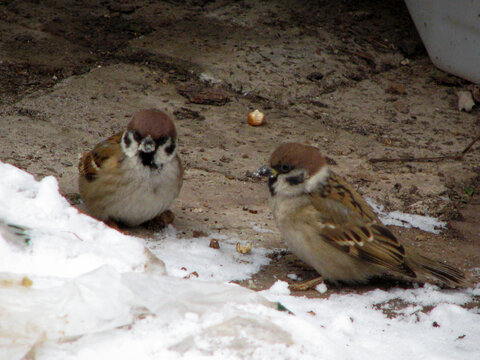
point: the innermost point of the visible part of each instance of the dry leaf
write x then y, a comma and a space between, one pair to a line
396, 88
192, 274
198, 233
214, 244
203, 95
244, 249
27, 282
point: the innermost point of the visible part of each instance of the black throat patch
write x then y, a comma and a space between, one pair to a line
271, 181
148, 159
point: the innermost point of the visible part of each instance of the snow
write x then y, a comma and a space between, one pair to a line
321, 288
260, 229
425, 223
210, 264
72, 288
209, 78
280, 288
353, 326
293, 276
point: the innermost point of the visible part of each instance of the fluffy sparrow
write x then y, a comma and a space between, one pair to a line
133, 176
328, 225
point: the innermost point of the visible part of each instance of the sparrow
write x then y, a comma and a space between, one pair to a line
133, 176
329, 226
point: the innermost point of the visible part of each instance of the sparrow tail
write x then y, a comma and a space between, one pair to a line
445, 274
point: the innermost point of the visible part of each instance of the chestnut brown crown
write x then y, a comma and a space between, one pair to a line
297, 156
153, 122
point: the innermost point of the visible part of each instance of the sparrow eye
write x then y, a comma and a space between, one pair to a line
285, 168
137, 136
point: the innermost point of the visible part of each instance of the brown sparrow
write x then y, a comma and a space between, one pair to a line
328, 225
133, 176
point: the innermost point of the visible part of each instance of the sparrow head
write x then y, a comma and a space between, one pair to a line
295, 169
151, 136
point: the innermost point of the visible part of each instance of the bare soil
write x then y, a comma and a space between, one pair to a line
351, 77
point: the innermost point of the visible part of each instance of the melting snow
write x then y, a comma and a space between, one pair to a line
72, 288
425, 223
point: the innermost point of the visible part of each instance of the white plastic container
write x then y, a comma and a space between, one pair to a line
450, 31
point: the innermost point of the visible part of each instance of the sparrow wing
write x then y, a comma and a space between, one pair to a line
346, 221
101, 156
338, 190
372, 243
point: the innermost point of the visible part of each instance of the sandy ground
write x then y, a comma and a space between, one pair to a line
350, 77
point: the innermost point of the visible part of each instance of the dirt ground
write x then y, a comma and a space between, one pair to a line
351, 77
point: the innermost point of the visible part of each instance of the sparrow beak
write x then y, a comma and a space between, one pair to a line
147, 145
266, 171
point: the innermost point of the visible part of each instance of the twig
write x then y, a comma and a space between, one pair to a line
420, 159
71, 232
389, 47
456, 156
469, 146
361, 54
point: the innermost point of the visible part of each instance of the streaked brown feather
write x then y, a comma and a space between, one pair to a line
339, 190
366, 242
448, 274
351, 225
91, 162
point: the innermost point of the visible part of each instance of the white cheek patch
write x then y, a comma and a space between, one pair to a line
320, 178
132, 149
161, 156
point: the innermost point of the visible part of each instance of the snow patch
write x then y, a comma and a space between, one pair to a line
425, 223
259, 229
185, 256
279, 288
209, 78
321, 288
80, 290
